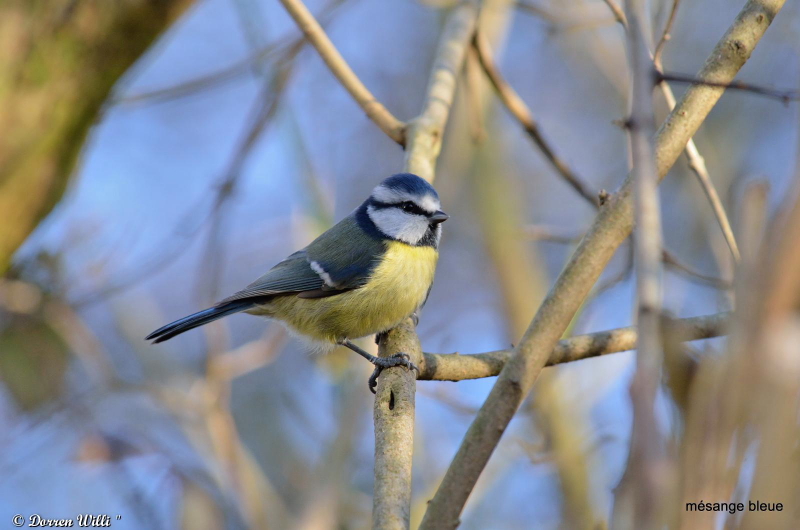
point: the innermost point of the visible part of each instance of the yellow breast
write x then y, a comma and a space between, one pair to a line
397, 288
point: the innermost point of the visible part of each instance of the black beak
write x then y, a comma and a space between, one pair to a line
438, 217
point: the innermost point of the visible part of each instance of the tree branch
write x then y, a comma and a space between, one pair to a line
696, 161
275, 51
426, 130
394, 401
611, 227
458, 367
517, 107
384, 119
619, 14
50, 98
786, 96
638, 497
665, 35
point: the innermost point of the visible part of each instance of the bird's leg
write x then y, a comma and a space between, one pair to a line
381, 363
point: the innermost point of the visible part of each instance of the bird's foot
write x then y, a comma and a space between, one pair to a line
381, 363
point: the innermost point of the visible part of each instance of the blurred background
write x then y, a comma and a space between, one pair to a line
173, 151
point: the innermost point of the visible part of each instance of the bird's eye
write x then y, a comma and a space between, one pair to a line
408, 206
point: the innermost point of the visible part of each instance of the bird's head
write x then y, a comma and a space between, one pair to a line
406, 208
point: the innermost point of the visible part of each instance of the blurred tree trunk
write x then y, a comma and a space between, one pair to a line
59, 60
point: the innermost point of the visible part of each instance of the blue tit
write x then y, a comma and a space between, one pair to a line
365, 275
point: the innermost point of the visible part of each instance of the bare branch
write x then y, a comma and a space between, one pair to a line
426, 130
786, 96
517, 107
555, 234
619, 14
696, 162
520, 111
671, 260
611, 227
393, 411
257, 59
384, 119
458, 367
665, 35
698, 165
638, 497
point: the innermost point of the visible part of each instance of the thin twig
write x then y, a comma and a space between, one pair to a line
255, 60
537, 11
554, 234
562, 20
671, 260
786, 96
619, 14
698, 166
517, 107
263, 112
696, 161
637, 499
622, 275
459, 367
379, 114
611, 227
665, 35
520, 111
224, 75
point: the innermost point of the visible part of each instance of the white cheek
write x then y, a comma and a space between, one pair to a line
399, 224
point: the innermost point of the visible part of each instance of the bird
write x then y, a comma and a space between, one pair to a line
363, 276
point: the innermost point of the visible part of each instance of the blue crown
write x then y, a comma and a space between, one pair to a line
410, 183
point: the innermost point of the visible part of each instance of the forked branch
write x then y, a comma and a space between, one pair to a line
611, 227
458, 367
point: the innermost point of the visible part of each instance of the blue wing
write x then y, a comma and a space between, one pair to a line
339, 260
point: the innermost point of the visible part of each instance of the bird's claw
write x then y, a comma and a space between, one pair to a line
381, 363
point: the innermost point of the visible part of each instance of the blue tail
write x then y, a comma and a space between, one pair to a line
198, 319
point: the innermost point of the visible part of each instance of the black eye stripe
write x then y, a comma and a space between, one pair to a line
407, 206
411, 207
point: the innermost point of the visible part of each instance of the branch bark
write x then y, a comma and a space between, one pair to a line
380, 115
696, 161
424, 134
611, 227
393, 411
517, 108
458, 367
57, 67
638, 497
